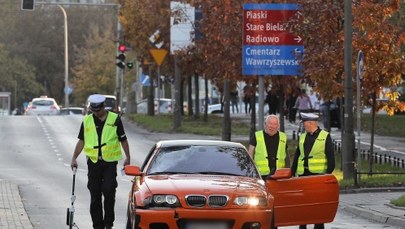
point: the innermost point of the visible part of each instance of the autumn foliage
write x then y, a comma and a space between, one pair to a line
217, 55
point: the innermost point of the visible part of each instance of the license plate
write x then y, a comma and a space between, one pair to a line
209, 225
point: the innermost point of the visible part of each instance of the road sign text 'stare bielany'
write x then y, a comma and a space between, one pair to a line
269, 48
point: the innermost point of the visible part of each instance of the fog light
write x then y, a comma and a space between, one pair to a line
255, 225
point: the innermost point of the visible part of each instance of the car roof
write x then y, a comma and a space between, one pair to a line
52, 99
168, 143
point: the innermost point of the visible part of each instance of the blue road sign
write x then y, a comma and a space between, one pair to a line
269, 48
145, 81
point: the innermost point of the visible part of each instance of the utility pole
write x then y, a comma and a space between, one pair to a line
67, 88
348, 134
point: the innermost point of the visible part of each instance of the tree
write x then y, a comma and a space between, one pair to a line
18, 77
38, 37
94, 71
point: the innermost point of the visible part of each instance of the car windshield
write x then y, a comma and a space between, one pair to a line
42, 103
220, 160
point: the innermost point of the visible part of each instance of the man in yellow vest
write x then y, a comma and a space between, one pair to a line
314, 154
101, 137
268, 147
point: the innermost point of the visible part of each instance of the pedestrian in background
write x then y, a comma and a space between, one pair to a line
290, 102
246, 98
268, 147
234, 100
314, 154
314, 98
101, 137
303, 103
273, 101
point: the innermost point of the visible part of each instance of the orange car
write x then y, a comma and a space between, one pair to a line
201, 184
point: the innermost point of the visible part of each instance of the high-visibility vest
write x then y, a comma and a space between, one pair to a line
260, 157
317, 162
110, 145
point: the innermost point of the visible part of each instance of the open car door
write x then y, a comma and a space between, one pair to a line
303, 200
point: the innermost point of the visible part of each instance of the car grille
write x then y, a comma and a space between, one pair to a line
217, 201
201, 201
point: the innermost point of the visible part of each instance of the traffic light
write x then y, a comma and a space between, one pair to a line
121, 56
27, 4
130, 65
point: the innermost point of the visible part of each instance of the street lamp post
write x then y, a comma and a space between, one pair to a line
66, 90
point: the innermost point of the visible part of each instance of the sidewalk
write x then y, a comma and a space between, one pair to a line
374, 204
12, 211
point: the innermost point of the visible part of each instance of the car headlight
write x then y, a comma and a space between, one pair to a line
250, 201
169, 201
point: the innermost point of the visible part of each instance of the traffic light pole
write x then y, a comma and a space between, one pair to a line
118, 70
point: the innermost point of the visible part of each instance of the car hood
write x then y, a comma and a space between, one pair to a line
204, 184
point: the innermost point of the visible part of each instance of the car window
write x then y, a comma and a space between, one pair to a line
203, 159
42, 103
110, 102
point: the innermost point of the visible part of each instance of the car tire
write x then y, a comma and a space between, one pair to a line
129, 225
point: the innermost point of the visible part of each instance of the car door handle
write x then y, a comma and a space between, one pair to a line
332, 181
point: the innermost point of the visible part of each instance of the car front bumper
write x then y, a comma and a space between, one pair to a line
188, 218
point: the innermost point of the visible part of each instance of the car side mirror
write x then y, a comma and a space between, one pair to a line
282, 173
133, 170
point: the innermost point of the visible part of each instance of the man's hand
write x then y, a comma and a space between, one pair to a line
127, 161
73, 163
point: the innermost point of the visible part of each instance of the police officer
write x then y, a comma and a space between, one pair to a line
268, 147
314, 154
101, 137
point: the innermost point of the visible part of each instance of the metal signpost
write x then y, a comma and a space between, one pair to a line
360, 65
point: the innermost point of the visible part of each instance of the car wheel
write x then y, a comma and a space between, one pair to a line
129, 225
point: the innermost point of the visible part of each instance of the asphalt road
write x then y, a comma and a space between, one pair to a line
36, 153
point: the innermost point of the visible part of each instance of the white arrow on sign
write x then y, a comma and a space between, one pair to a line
145, 80
298, 39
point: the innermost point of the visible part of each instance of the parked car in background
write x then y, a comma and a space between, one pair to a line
215, 184
110, 105
43, 106
165, 106
71, 111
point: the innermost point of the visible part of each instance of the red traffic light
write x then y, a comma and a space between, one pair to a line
122, 48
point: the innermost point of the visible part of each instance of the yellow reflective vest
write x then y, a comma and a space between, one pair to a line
317, 162
260, 157
110, 145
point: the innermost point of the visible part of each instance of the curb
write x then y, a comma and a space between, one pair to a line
374, 215
371, 190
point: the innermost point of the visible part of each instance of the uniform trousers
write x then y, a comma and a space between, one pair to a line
102, 182
316, 226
